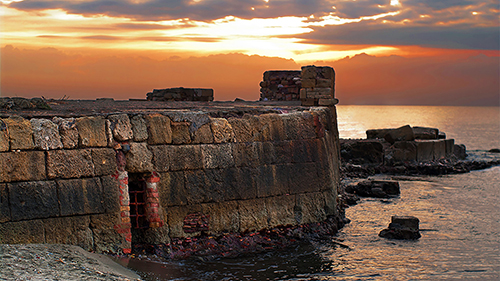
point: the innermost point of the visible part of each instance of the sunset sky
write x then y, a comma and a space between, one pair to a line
384, 51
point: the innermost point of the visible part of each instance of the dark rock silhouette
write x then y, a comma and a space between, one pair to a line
402, 228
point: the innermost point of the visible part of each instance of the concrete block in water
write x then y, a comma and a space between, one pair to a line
70, 163
104, 160
139, 158
439, 149
425, 150
67, 131
460, 151
121, 127
92, 132
46, 134
159, 131
425, 133
33, 200
80, 196
20, 133
22, 166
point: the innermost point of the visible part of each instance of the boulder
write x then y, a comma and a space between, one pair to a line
494, 150
376, 133
403, 228
460, 151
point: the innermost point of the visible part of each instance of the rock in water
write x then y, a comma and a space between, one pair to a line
404, 133
494, 150
403, 228
375, 188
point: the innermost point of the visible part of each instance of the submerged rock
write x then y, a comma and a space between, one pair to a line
403, 228
375, 188
494, 150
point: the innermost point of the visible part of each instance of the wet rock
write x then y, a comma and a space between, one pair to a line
459, 151
375, 188
403, 228
362, 151
494, 150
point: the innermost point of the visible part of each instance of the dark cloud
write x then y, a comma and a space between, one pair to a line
457, 37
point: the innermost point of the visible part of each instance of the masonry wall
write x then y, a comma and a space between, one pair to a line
66, 180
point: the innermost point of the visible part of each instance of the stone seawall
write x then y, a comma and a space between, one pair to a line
106, 180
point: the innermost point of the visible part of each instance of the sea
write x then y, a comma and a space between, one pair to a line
459, 217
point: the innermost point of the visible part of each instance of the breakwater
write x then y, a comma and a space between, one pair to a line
106, 174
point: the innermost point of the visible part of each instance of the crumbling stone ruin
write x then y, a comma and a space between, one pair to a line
181, 94
106, 174
312, 85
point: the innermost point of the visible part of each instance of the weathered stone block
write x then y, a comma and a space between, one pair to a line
243, 131
328, 102
159, 130
180, 132
139, 158
139, 128
280, 210
185, 157
92, 132
283, 150
161, 157
171, 190
362, 151
176, 217
121, 127
217, 156
67, 131
222, 130
4, 203
304, 150
324, 83
303, 177
69, 230
310, 207
22, 166
245, 154
425, 150
104, 160
308, 72
32, 200
204, 186
224, 217
106, 238
376, 133
253, 214
203, 134
308, 83
266, 153
22, 232
320, 93
460, 151
272, 180
80, 196
4, 137
46, 134
307, 101
274, 123
70, 163
20, 133
299, 125
110, 194
239, 183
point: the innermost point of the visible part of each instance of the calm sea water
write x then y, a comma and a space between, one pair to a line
459, 213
